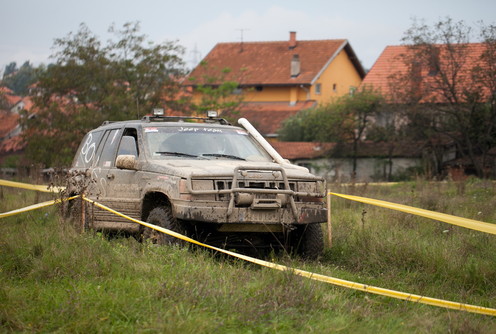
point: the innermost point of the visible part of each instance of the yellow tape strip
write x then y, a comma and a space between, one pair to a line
318, 277
42, 188
464, 222
34, 207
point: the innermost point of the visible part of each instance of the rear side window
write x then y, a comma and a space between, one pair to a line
86, 153
108, 152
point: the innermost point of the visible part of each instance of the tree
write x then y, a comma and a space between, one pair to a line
19, 80
10, 69
354, 115
344, 121
91, 82
303, 126
455, 83
216, 93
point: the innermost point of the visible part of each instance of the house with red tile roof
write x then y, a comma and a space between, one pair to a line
277, 79
435, 76
11, 142
395, 64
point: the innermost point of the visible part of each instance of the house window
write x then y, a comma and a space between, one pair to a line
318, 88
237, 91
259, 88
334, 88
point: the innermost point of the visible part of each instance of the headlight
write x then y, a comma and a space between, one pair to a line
197, 185
307, 187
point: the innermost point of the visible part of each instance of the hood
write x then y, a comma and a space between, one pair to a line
217, 168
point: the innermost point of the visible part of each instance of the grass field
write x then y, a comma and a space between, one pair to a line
53, 279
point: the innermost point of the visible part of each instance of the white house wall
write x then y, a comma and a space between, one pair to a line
368, 169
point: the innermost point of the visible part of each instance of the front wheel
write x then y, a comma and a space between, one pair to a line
308, 241
162, 216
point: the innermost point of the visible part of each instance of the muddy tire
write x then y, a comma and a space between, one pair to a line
162, 216
309, 241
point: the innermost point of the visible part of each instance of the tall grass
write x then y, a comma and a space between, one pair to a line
53, 279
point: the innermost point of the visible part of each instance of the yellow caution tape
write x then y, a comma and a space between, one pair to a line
43, 188
464, 222
34, 207
469, 223
318, 277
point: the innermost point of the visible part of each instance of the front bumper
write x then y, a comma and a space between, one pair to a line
215, 212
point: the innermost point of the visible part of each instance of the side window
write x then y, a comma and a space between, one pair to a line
86, 153
107, 156
129, 143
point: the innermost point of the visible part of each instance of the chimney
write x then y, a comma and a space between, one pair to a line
292, 40
295, 66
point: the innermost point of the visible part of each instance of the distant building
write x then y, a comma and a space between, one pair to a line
11, 142
278, 79
444, 76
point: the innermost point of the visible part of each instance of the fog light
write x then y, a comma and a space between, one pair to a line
243, 199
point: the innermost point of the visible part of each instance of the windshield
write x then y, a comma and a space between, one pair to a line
202, 142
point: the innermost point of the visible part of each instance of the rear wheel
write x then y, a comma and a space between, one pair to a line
308, 241
162, 216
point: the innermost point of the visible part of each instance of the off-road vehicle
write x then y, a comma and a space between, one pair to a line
222, 184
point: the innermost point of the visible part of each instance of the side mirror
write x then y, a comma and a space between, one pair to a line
126, 162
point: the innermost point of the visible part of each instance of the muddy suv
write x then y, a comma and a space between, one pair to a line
218, 183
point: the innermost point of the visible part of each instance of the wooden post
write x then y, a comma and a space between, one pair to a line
83, 213
329, 225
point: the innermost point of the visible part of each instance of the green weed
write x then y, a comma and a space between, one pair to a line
53, 279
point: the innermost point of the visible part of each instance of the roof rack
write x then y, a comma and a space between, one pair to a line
184, 118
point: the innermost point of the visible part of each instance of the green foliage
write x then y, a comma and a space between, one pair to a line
467, 114
217, 93
345, 120
56, 280
91, 82
19, 79
302, 126
11, 161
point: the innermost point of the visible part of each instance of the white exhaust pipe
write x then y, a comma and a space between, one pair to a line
265, 144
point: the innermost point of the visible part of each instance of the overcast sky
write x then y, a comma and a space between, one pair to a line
29, 27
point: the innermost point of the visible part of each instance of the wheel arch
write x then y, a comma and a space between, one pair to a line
150, 201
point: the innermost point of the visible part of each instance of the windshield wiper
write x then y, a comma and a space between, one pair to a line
222, 156
180, 154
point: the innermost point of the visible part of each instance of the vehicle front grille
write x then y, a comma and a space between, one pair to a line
227, 184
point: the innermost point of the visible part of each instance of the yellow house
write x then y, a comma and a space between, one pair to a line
278, 79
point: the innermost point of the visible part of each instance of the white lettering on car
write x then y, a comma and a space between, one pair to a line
88, 150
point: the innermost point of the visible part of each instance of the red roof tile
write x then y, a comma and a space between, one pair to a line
8, 122
302, 150
392, 62
313, 150
268, 63
267, 117
6, 90
12, 99
28, 103
11, 145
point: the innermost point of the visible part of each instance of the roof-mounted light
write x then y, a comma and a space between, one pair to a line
212, 114
158, 112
